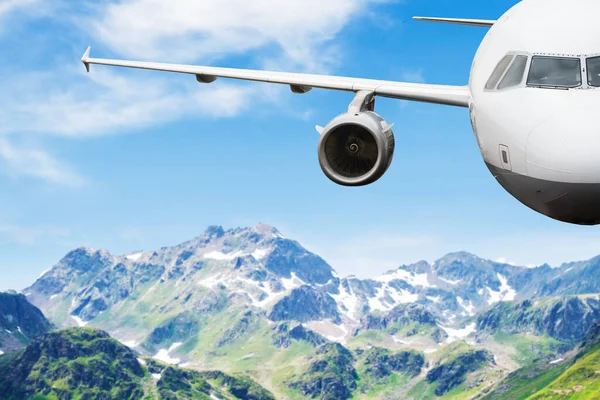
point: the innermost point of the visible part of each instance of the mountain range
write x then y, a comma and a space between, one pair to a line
251, 301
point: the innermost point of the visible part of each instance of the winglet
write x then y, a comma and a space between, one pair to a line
85, 58
320, 129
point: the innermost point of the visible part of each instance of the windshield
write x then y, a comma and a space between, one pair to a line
514, 75
498, 72
555, 72
593, 71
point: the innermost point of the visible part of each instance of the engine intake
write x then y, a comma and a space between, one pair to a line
356, 149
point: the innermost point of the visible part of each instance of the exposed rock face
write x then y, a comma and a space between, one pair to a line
330, 375
77, 266
591, 339
176, 383
451, 373
415, 316
285, 334
566, 319
306, 304
575, 278
20, 322
401, 315
248, 322
240, 386
177, 329
289, 257
382, 362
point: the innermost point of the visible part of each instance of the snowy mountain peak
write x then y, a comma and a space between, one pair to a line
265, 229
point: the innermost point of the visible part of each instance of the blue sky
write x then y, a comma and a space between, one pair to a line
130, 160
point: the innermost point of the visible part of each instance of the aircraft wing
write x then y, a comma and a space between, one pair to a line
300, 83
459, 21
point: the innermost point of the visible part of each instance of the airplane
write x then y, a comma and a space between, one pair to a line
532, 97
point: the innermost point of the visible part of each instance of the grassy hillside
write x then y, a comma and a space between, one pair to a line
581, 381
86, 363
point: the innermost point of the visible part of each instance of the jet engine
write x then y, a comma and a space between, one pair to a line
356, 148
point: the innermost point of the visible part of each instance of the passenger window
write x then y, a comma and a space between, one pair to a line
498, 72
515, 73
593, 71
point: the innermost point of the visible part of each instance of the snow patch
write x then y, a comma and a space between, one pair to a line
467, 305
430, 351
293, 282
53, 296
450, 281
402, 296
217, 255
130, 343
164, 354
157, 376
175, 346
213, 397
457, 334
376, 304
210, 282
329, 330
396, 340
141, 361
435, 299
134, 256
79, 321
8, 331
409, 277
506, 293
1, 352
557, 361
44, 273
260, 253
504, 260
398, 296
348, 300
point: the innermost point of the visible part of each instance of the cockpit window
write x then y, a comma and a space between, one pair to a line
555, 72
514, 75
593, 71
498, 72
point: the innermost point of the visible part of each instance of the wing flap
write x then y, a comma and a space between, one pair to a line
439, 94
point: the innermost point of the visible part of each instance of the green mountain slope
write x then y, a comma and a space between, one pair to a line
581, 381
86, 363
576, 379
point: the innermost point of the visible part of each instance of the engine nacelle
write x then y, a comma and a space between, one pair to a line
356, 149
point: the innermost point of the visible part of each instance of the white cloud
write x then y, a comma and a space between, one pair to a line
17, 161
189, 30
7, 6
105, 102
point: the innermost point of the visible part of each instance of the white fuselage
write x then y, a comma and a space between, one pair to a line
542, 143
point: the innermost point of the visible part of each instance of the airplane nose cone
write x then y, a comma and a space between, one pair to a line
566, 147
563, 167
